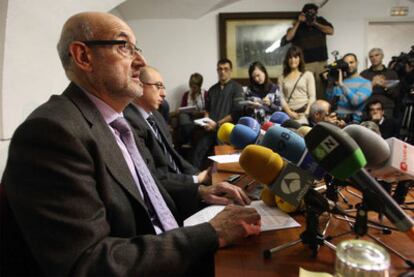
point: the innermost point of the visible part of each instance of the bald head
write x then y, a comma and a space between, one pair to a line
153, 89
82, 27
319, 110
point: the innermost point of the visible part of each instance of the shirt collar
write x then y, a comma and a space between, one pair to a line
104, 109
144, 114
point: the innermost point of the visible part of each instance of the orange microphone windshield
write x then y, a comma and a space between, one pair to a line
261, 163
223, 133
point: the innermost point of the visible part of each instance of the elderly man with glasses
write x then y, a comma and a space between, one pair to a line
81, 194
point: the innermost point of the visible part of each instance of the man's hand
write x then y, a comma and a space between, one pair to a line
378, 80
340, 81
234, 223
204, 177
223, 193
211, 125
302, 17
293, 115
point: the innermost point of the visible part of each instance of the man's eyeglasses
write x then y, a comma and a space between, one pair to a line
159, 85
125, 47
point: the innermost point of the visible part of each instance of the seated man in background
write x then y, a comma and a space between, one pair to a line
320, 111
380, 77
387, 125
349, 92
151, 128
222, 105
82, 200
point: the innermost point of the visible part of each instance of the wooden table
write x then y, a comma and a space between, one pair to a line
246, 258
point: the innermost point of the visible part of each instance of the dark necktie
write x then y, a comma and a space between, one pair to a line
148, 185
162, 143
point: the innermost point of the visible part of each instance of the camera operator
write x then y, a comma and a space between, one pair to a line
309, 33
349, 94
384, 88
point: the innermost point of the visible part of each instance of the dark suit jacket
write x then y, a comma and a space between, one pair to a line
164, 170
77, 206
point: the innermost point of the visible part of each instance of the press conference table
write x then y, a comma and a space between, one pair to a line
246, 258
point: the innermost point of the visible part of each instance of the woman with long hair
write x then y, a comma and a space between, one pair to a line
262, 94
297, 85
193, 102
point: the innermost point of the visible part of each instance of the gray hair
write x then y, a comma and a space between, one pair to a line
75, 32
317, 107
372, 126
376, 50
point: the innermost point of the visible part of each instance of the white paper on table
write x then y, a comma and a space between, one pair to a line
229, 158
202, 121
271, 217
306, 273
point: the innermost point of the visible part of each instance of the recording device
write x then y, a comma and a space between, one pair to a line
340, 155
310, 16
292, 147
223, 133
398, 63
333, 70
279, 117
246, 131
282, 177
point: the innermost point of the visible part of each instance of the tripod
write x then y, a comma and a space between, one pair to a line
311, 236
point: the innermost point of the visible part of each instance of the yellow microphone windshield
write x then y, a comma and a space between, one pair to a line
223, 133
261, 163
303, 131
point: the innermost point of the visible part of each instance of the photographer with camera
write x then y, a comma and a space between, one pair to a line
349, 92
309, 33
384, 82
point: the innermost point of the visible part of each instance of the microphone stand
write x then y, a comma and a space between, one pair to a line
361, 225
311, 235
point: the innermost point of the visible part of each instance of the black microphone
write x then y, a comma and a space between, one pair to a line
341, 156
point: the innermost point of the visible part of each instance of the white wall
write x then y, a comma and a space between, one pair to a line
30, 70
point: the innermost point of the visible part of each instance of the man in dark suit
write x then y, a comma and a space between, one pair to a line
81, 196
388, 126
152, 129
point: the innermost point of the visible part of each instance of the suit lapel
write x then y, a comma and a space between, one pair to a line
111, 153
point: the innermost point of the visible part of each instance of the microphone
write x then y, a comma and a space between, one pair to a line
242, 135
246, 131
283, 178
279, 117
376, 150
303, 131
266, 126
400, 165
223, 133
292, 147
340, 155
291, 124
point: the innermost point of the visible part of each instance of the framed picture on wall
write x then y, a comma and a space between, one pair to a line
248, 37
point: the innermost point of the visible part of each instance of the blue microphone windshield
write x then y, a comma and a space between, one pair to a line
241, 136
286, 143
279, 117
250, 122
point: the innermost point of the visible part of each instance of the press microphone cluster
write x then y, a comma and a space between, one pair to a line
338, 153
246, 131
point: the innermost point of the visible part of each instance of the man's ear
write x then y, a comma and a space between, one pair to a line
81, 55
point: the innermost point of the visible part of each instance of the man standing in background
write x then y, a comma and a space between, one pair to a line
222, 105
309, 33
382, 78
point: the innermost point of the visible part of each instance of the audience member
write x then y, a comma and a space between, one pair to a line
380, 76
298, 86
263, 94
350, 92
387, 125
309, 33
149, 126
195, 97
83, 199
320, 111
222, 105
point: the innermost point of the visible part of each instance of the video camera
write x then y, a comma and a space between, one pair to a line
333, 68
398, 63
